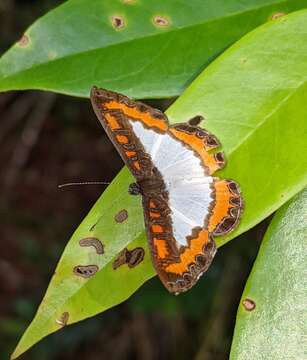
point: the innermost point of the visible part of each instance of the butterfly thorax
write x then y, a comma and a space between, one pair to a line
147, 185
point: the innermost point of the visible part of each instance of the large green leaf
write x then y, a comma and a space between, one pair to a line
254, 99
76, 46
270, 321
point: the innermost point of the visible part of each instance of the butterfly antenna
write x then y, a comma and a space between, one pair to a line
83, 183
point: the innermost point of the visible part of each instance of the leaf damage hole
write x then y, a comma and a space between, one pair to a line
23, 41
121, 216
118, 22
63, 319
161, 21
85, 271
131, 258
249, 304
278, 15
92, 241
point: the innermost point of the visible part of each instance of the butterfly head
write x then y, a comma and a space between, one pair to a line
134, 189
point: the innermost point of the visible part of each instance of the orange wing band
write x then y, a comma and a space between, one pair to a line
189, 254
112, 122
156, 228
161, 248
154, 215
228, 205
135, 113
211, 162
122, 139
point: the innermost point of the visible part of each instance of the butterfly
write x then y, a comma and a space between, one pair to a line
184, 205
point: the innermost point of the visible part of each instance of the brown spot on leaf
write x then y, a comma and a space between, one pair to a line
278, 15
92, 241
121, 216
131, 258
23, 41
118, 22
136, 257
85, 271
63, 319
52, 55
249, 304
161, 21
196, 120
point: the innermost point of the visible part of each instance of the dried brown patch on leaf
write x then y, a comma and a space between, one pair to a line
277, 15
131, 258
121, 216
23, 41
161, 21
63, 319
136, 257
249, 304
85, 271
118, 21
92, 241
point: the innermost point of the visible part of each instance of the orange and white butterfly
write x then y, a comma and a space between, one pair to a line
184, 206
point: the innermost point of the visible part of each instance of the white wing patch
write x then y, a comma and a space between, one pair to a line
188, 187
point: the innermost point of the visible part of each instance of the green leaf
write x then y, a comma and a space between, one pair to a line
274, 328
76, 46
254, 99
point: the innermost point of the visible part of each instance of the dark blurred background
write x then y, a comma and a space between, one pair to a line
49, 139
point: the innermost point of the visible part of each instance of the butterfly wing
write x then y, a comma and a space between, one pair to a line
192, 206
180, 225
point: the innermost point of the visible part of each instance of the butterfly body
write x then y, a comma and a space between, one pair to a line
184, 205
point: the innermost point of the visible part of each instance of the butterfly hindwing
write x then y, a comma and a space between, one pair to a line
184, 206
227, 208
201, 141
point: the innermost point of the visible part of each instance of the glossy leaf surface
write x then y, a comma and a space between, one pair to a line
254, 100
118, 44
274, 328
